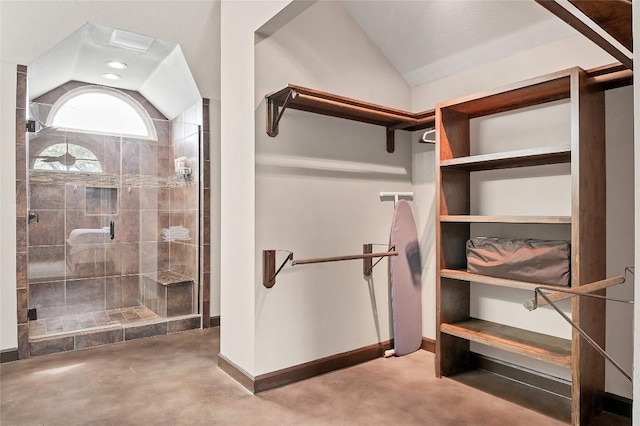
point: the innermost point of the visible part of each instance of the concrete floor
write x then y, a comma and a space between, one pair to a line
174, 380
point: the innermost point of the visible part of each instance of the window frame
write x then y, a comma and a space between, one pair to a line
137, 107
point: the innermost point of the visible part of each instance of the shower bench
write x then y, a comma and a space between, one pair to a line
168, 293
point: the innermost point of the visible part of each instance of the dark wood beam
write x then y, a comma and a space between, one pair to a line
568, 17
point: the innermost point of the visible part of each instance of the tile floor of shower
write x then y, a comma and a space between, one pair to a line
91, 320
90, 329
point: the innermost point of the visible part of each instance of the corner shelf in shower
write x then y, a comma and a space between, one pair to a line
317, 102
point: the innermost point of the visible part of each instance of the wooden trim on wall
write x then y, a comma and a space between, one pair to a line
617, 404
523, 375
320, 366
614, 404
236, 373
307, 370
8, 355
214, 321
428, 345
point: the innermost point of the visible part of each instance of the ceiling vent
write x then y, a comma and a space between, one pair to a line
131, 41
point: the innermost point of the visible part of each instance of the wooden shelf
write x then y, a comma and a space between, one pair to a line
539, 346
535, 91
547, 88
323, 103
461, 275
511, 159
506, 219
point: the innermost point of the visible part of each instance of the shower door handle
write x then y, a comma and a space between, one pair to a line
112, 229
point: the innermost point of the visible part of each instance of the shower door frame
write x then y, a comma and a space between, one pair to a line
204, 217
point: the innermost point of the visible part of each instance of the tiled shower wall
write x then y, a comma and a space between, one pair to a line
22, 291
190, 203
143, 211
148, 199
184, 199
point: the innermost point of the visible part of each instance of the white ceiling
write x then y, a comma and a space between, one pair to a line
160, 74
424, 40
427, 40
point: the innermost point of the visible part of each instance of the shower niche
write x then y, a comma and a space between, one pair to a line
101, 200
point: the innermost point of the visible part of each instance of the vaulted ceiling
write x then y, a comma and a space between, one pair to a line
423, 40
427, 40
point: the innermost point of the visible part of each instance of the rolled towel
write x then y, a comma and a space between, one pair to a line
173, 233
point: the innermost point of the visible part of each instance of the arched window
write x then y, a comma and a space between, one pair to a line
69, 157
101, 110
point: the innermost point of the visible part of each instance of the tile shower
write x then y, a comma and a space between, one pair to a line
87, 288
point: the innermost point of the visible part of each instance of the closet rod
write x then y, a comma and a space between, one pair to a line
341, 258
269, 262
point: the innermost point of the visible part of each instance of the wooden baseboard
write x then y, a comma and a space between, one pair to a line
307, 370
237, 373
612, 403
428, 345
617, 404
8, 355
214, 321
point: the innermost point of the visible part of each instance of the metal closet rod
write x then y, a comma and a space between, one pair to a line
269, 261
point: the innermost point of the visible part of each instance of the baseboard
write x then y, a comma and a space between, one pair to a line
612, 403
617, 404
214, 321
428, 345
8, 355
307, 370
236, 373
524, 375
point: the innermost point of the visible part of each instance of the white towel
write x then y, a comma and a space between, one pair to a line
174, 233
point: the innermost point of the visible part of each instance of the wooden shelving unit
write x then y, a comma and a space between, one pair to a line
455, 164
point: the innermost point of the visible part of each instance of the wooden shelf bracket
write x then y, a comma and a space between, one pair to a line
274, 112
269, 262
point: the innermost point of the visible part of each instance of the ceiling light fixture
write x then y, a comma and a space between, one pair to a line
131, 41
117, 65
111, 76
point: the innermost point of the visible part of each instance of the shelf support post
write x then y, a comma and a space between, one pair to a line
391, 140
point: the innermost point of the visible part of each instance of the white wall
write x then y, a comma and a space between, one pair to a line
8, 321
317, 191
547, 189
239, 21
194, 25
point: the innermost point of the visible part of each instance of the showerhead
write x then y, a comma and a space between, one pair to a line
42, 128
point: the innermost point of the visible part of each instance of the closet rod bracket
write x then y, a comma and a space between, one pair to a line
274, 112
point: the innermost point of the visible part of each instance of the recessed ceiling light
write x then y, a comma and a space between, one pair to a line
117, 65
111, 76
